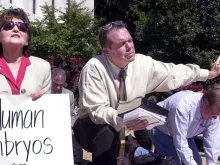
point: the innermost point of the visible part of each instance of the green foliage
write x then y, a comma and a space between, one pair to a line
72, 33
179, 31
112, 10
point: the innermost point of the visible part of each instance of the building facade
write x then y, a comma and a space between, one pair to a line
33, 7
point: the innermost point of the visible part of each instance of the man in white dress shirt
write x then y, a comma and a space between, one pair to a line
190, 113
98, 126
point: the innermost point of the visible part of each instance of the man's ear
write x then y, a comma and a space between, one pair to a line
205, 102
107, 53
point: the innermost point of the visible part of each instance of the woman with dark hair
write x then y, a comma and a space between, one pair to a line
20, 73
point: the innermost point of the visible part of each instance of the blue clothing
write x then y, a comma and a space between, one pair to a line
185, 121
141, 151
165, 146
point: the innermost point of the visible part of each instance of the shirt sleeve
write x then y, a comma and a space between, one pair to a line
168, 76
179, 127
94, 98
211, 143
72, 108
47, 79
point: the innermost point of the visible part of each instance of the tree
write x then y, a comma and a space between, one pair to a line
112, 10
73, 33
67, 39
179, 31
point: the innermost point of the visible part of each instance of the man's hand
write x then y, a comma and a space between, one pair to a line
37, 95
137, 125
215, 69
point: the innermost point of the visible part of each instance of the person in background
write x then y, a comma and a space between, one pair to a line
190, 113
20, 73
118, 75
58, 82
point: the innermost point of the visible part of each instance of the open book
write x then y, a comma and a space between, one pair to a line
140, 109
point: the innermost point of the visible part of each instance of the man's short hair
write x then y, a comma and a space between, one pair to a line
212, 96
58, 72
105, 29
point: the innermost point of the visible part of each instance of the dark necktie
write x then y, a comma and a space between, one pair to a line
122, 97
122, 86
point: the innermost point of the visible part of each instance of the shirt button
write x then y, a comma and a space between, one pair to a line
23, 91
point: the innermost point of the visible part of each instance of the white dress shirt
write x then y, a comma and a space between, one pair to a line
99, 84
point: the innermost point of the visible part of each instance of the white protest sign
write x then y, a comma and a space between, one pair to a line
35, 132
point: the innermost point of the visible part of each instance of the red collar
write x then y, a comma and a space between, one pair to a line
4, 70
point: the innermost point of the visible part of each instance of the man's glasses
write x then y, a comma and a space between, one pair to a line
115, 24
20, 25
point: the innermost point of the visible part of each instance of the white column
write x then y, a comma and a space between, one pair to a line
29, 7
5, 4
39, 4
18, 3
26, 4
88, 3
60, 4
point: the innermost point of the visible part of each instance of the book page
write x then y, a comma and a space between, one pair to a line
141, 114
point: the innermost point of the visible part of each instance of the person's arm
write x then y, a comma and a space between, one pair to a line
211, 143
73, 112
47, 79
46, 85
95, 99
168, 76
178, 122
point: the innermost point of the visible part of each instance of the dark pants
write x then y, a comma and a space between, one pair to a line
102, 140
77, 151
164, 146
143, 138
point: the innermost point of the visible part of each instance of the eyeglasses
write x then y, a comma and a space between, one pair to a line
20, 25
110, 25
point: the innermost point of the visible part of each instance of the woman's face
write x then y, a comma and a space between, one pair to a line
14, 34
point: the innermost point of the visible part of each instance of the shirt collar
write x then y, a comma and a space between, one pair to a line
115, 70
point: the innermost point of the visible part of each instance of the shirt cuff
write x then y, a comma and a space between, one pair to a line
203, 76
119, 124
211, 163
